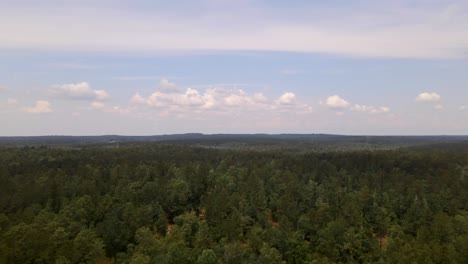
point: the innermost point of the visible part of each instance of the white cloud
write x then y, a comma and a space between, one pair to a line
286, 99
370, 109
40, 107
168, 87
427, 97
236, 100
336, 102
191, 97
439, 107
78, 91
169, 95
137, 99
101, 94
259, 97
362, 108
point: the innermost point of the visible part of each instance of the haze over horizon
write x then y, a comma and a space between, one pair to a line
249, 66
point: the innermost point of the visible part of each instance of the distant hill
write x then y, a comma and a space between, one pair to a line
292, 142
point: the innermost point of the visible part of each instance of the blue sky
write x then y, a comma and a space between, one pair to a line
217, 66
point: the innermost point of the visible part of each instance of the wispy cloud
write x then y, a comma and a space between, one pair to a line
12, 101
97, 105
290, 72
439, 107
8, 105
370, 109
74, 66
385, 30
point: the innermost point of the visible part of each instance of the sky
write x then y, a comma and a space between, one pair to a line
245, 66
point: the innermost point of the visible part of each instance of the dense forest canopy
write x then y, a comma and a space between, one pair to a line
180, 203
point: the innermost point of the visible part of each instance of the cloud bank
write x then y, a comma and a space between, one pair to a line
169, 97
434, 30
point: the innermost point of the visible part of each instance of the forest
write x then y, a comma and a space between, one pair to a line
158, 202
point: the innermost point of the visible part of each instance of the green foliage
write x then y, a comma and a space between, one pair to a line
207, 257
87, 247
155, 203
